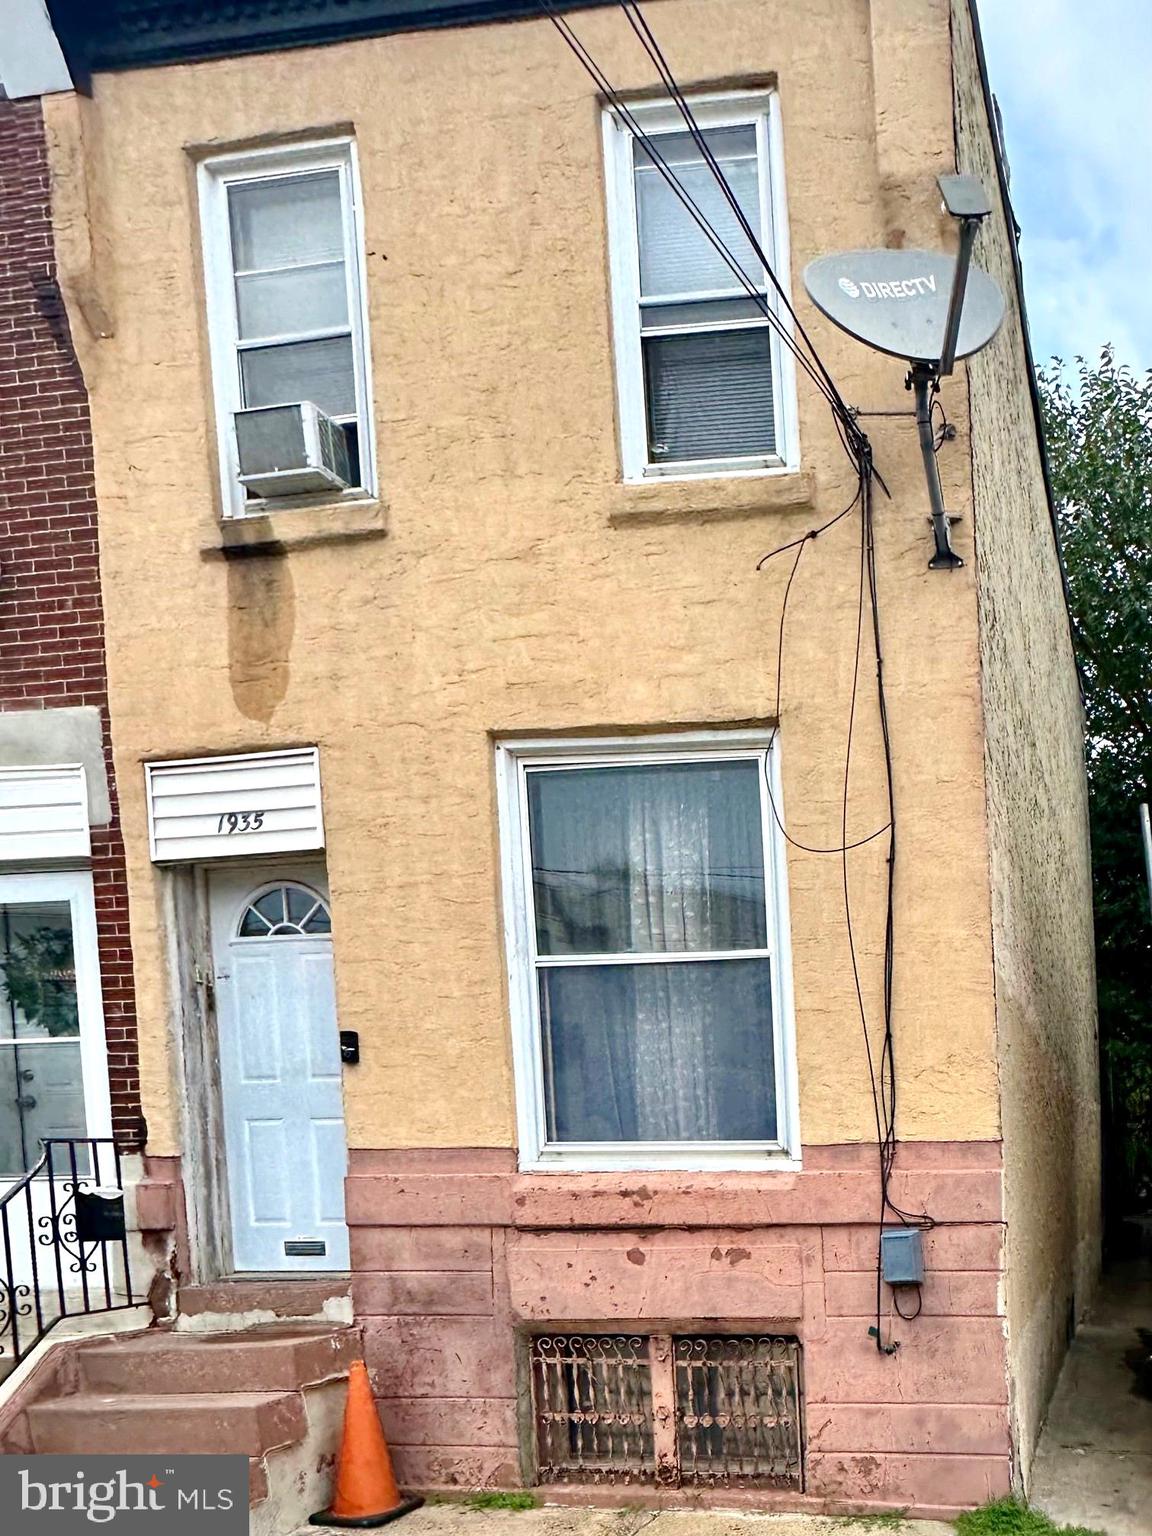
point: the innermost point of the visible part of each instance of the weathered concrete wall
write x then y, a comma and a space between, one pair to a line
457, 1258
521, 586
1038, 836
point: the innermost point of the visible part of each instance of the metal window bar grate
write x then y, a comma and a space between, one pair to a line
592, 1398
738, 1411
701, 1411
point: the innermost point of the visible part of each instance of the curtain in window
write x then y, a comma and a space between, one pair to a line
654, 860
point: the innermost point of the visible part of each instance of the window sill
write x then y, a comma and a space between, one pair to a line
712, 498
770, 1160
288, 528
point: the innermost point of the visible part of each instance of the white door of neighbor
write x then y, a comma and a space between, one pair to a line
53, 1090
280, 1070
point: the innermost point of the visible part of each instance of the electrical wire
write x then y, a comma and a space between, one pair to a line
946, 430
883, 1079
815, 371
908, 1317
800, 545
882, 1076
643, 31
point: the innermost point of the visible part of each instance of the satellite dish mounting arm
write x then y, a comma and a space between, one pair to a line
893, 300
922, 381
965, 199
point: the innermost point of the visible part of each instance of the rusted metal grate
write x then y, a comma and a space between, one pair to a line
592, 1397
703, 1411
738, 1411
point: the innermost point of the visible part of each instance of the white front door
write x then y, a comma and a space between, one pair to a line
53, 1083
280, 1070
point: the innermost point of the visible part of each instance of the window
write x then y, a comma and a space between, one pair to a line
53, 1069
645, 908
287, 320
285, 912
702, 382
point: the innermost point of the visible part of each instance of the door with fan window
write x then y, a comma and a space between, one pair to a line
280, 1069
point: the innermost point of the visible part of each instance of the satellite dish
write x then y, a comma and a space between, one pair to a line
897, 301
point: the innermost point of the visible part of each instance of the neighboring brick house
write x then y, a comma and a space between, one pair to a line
483, 995
68, 1068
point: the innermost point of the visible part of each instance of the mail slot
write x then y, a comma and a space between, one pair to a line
100, 1214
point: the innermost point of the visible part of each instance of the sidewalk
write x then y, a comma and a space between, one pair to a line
1094, 1463
553, 1520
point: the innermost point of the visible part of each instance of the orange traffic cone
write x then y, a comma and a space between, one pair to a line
366, 1491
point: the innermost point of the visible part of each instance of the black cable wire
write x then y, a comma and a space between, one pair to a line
939, 440
818, 375
908, 1317
643, 31
800, 545
813, 533
858, 448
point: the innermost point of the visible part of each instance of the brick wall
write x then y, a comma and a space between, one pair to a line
51, 617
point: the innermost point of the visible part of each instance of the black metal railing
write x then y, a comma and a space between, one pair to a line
63, 1243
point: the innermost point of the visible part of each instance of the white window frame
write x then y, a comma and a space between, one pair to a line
760, 109
75, 887
514, 759
214, 178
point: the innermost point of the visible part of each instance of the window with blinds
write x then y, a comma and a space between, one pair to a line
699, 366
282, 254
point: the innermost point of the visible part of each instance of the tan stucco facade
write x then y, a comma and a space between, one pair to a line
521, 587
1038, 837
508, 583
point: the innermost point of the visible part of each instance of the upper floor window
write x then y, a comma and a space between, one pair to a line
284, 271
702, 384
649, 952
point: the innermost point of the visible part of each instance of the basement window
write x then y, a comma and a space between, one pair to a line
703, 384
703, 1410
284, 272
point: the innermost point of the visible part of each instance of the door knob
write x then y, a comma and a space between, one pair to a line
25, 1101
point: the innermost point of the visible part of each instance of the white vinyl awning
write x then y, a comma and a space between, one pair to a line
256, 803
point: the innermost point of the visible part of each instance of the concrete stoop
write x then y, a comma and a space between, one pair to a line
273, 1392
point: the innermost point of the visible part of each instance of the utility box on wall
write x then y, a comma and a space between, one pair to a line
902, 1255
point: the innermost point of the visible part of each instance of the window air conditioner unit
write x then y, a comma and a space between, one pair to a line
291, 450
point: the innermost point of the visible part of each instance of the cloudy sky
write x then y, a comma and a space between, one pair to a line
1074, 83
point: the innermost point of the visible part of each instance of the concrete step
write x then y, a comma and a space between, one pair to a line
276, 1357
248, 1423
228, 1305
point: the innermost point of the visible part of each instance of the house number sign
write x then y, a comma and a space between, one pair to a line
240, 821
250, 804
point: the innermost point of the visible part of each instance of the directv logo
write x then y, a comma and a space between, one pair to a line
907, 288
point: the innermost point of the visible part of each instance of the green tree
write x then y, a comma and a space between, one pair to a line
1098, 422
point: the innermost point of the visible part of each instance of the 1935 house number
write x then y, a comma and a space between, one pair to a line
240, 821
